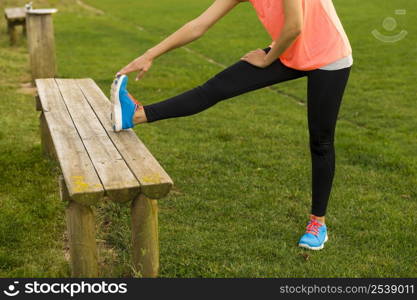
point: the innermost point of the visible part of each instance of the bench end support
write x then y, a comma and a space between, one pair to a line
81, 235
144, 214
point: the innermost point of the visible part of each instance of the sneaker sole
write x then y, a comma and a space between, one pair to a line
116, 115
314, 248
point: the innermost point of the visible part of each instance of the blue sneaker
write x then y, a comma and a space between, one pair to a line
124, 105
315, 236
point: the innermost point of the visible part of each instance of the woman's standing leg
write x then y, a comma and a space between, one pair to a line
325, 93
237, 79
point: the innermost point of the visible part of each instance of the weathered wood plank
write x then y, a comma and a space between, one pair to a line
81, 179
81, 236
117, 179
144, 216
15, 13
155, 182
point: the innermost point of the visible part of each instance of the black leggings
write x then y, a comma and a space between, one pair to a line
325, 92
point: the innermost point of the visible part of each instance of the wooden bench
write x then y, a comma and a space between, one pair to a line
96, 162
14, 17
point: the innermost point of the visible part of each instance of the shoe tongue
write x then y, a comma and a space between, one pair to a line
312, 218
133, 99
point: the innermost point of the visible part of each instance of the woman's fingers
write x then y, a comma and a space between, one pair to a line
140, 75
124, 71
247, 55
131, 67
139, 64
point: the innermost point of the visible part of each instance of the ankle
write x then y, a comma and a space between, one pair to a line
139, 116
320, 219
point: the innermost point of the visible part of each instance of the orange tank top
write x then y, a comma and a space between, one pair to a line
322, 40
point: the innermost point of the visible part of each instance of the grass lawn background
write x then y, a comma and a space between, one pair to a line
242, 168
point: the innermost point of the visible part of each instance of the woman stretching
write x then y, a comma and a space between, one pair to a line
307, 40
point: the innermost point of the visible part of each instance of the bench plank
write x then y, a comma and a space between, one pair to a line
15, 13
155, 182
81, 179
117, 179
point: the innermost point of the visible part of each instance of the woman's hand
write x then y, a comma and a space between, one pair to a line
257, 58
142, 64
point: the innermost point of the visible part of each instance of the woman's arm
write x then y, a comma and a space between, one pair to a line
186, 34
293, 25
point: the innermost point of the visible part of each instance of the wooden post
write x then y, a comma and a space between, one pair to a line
11, 28
81, 235
144, 214
41, 42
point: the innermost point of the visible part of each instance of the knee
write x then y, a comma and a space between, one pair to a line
216, 89
320, 145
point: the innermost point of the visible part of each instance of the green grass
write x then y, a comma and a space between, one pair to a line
242, 168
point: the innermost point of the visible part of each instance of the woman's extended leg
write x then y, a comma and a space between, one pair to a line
325, 92
237, 79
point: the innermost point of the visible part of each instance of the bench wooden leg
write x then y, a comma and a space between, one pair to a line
46, 139
38, 104
81, 235
12, 32
144, 214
